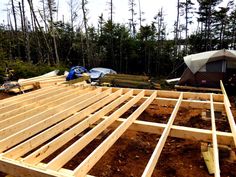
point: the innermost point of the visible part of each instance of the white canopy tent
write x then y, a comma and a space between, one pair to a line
196, 61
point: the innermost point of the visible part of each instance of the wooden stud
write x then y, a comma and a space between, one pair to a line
230, 118
22, 97
70, 152
194, 134
52, 146
228, 112
29, 100
26, 122
214, 138
157, 151
94, 157
39, 126
42, 105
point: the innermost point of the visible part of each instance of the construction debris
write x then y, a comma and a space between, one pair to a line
130, 81
201, 89
42, 81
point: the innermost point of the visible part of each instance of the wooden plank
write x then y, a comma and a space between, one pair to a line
52, 146
30, 100
40, 107
224, 92
15, 99
197, 88
188, 103
17, 169
157, 151
37, 105
214, 138
208, 156
28, 121
194, 134
70, 152
175, 94
230, 118
39, 126
22, 89
228, 112
29, 107
94, 157
51, 132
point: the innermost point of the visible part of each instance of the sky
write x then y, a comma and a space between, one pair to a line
121, 13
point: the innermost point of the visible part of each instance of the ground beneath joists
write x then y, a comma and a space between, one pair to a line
181, 158
130, 154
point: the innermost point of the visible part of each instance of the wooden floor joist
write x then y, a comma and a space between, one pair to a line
35, 125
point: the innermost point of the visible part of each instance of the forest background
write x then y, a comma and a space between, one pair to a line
35, 42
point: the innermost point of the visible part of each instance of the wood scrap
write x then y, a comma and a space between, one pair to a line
126, 80
78, 80
180, 87
207, 153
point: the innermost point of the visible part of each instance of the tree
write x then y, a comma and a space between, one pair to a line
161, 32
206, 11
132, 20
110, 23
73, 6
89, 54
232, 27
141, 13
188, 12
176, 29
52, 9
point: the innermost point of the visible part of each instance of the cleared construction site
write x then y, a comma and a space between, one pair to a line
79, 131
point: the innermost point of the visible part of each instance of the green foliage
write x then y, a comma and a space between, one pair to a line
25, 70
123, 48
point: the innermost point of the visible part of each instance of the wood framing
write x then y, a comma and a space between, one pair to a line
33, 126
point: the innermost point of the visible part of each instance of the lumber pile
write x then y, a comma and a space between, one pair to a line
24, 87
126, 80
46, 80
201, 89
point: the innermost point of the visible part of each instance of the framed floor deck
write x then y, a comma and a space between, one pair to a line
35, 125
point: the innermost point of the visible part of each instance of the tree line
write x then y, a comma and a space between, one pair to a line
135, 47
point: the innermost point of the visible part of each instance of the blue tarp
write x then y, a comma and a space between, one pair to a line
76, 72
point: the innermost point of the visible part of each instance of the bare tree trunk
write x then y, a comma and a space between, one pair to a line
10, 29
21, 17
44, 16
177, 30
132, 25
186, 27
111, 39
89, 55
24, 30
14, 14
15, 33
82, 47
37, 26
140, 13
52, 29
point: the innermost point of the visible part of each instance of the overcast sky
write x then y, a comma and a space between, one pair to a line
121, 13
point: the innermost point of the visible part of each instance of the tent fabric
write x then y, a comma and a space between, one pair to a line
204, 79
196, 61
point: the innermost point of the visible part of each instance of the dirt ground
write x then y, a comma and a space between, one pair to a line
179, 158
